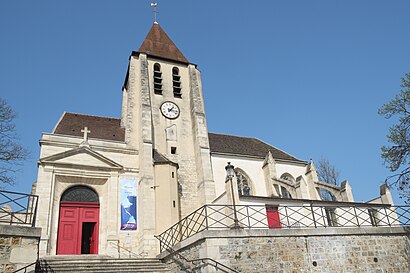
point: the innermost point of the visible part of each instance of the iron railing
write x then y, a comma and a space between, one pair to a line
128, 253
18, 208
196, 263
29, 268
213, 217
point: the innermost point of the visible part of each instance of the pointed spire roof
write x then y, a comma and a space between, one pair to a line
158, 44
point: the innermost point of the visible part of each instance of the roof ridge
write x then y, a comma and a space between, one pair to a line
279, 149
65, 112
234, 136
254, 147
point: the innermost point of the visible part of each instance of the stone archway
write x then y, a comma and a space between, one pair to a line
78, 225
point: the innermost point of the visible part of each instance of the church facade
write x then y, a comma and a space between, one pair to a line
106, 184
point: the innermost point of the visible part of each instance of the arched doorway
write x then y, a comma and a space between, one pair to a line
79, 221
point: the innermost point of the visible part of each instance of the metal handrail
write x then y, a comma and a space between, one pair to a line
18, 208
128, 250
205, 261
304, 215
37, 267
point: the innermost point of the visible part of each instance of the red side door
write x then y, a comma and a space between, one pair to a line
272, 215
91, 215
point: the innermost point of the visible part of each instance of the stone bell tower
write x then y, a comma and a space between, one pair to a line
163, 113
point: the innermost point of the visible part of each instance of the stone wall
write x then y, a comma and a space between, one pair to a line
18, 247
321, 250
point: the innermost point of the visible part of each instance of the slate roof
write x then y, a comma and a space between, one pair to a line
158, 44
110, 129
235, 145
100, 127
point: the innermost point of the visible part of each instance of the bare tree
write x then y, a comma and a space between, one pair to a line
397, 155
327, 172
11, 153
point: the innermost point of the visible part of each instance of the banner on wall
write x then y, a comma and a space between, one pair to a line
128, 203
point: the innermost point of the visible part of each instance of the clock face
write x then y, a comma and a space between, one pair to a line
170, 110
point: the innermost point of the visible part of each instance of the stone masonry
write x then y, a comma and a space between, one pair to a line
291, 251
18, 247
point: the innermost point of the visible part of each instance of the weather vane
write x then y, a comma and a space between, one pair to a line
154, 5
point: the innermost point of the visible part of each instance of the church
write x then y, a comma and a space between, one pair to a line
107, 183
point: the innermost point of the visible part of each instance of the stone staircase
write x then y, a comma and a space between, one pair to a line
98, 263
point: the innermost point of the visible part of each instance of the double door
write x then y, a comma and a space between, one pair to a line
78, 228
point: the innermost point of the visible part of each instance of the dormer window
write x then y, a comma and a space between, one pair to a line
176, 82
157, 79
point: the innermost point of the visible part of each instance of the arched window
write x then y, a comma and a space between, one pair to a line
288, 177
80, 194
285, 193
243, 182
176, 82
157, 79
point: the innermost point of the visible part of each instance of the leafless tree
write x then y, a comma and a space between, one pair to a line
11, 152
327, 172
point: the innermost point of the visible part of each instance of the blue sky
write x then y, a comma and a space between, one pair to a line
304, 76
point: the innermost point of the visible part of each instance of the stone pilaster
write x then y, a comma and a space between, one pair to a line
145, 190
269, 172
206, 184
311, 178
131, 106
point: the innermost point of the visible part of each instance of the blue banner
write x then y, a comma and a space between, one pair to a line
128, 203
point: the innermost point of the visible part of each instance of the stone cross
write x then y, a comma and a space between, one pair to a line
85, 131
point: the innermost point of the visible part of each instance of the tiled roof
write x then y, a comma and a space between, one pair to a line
158, 44
246, 146
100, 127
110, 129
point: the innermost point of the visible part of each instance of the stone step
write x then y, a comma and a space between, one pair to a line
98, 263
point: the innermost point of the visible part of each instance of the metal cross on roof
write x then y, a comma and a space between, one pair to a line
154, 5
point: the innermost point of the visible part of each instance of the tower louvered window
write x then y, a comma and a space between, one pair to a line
176, 82
157, 79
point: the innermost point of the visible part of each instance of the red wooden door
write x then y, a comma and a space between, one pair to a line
74, 216
68, 231
272, 214
91, 215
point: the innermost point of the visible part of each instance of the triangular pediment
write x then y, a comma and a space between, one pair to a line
82, 156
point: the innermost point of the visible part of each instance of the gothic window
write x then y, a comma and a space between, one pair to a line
80, 194
157, 79
243, 182
285, 193
176, 82
287, 177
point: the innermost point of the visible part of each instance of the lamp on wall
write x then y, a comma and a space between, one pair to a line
230, 174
